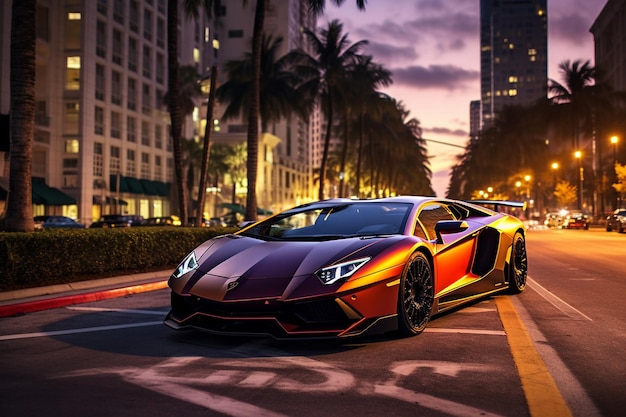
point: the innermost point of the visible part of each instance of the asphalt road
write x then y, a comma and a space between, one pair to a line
115, 358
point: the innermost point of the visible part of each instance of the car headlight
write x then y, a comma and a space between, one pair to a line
331, 274
187, 265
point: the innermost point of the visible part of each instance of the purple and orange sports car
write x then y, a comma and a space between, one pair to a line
341, 268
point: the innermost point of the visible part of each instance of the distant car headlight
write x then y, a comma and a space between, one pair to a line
187, 265
331, 274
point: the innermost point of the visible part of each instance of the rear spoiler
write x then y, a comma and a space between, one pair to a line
497, 203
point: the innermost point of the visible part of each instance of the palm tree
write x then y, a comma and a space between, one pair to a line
277, 86
365, 76
190, 8
19, 211
332, 59
573, 98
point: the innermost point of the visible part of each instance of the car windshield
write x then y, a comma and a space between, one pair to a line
334, 222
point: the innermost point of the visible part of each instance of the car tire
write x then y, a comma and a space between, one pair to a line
416, 295
518, 264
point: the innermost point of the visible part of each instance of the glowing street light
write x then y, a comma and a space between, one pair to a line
614, 140
578, 155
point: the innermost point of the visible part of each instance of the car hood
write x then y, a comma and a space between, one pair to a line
235, 267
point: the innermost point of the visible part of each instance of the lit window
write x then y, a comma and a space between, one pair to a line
532, 51
216, 44
71, 146
533, 58
512, 79
196, 55
73, 16
207, 38
512, 92
511, 46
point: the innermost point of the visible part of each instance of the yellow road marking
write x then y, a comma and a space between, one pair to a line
542, 394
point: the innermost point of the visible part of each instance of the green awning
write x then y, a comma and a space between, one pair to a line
109, 200
113, 182
149, 187
134, 186
163, 189
49, 196
127, 185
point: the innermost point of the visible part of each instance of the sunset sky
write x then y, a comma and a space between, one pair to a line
432, 49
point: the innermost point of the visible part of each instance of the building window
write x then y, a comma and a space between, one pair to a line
118, 47
71, 146
169, 172
101, 39
131, 129
160, 68
114, 161
145, 165
99, 121
158, 137
131, 169
102, 7
145, 133
132, 54
116, 88
158, 169
98, 160
147, 25
145, 100
99, 82
147, 62
116, 125
133, 18
160, 34
132, 94
119, 11
237, 33
72, 73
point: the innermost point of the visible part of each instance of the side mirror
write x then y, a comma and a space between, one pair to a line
449, 226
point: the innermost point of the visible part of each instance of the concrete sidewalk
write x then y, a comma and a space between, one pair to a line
42, 298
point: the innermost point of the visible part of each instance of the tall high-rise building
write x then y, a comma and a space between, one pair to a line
609, 32
513, 54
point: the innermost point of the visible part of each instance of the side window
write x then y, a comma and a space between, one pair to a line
428, 218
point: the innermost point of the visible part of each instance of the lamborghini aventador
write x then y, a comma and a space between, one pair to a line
344, 268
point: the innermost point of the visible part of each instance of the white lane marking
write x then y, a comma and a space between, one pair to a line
118, 310
557, 302
572, 391
75, 331
433, 403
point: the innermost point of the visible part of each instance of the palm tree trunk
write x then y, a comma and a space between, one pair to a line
176, 116
329, 125
206, 149
359, 155
19, 211
253, 112
344, 153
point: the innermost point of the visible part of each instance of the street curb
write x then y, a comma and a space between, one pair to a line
29, 300
22, 307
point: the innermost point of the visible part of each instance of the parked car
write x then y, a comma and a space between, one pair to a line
576, 220
162, 221
57, 222
616, 221
117, 220
346, 268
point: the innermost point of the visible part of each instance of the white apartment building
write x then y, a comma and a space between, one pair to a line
102, 141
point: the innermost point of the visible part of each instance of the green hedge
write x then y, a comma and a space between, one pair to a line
66, 255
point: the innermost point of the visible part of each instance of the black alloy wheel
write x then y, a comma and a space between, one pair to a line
518, 264
415, 296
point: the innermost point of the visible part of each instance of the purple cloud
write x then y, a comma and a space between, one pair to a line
446, 77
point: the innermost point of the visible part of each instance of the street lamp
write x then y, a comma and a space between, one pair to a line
614, 140
555, 168
578, 155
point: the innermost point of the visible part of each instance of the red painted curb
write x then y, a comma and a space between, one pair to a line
56, 302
